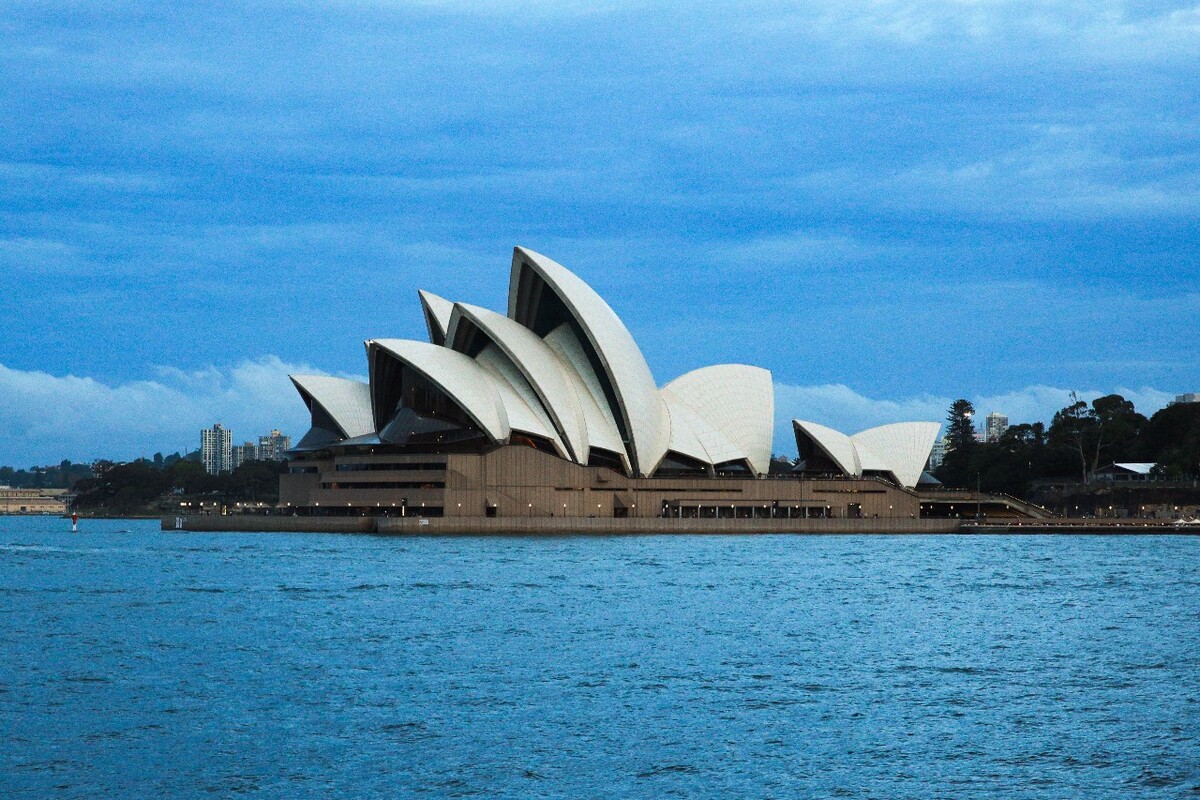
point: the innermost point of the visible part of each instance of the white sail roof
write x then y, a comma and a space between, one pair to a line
456, 375
695, 437
521, 405
541, 367
903, 446
347, 402
563, 368
437, 315
738, 403
638, 409
601, 427
834, 444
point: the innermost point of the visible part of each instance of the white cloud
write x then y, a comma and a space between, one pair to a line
49, 417
844, 409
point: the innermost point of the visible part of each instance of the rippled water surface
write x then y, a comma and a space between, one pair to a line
147, 664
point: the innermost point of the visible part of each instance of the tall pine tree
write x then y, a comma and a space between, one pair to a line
955, 467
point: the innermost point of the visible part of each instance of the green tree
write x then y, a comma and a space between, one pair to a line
1010, 464
955, 469
1120, 428
190, 478
1076, 428
1171, 438
254, 481
124, 489
1110, 428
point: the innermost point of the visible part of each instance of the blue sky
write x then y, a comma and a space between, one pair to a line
887, 204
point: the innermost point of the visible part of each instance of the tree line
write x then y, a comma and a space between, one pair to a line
153, 486
1081, 438
61, 476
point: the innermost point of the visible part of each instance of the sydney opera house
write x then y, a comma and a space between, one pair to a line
551, 410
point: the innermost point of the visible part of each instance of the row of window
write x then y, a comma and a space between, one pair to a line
392, 467
386, 485
743, 512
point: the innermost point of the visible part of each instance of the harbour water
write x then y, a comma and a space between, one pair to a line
148, 664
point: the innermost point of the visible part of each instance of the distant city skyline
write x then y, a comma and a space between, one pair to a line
888, 206
219, 454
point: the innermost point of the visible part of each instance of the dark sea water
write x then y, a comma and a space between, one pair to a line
148, 664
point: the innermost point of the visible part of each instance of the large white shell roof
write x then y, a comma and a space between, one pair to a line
456, 375
644, 417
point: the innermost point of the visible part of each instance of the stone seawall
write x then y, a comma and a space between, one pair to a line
254, 523
549, 526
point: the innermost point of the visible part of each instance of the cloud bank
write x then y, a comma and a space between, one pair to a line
48, 417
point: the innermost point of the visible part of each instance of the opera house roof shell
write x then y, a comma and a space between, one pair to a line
897, 451
561, 373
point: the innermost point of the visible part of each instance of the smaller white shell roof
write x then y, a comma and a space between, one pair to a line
464, 381
437, 315
694, 436
738, 403
347, 402
836, 445
902, 446
683, 430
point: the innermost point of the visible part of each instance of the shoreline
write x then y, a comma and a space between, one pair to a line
571, 526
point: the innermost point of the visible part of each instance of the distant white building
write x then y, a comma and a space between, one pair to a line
995, 426
938, 454
216, 449
1191, 397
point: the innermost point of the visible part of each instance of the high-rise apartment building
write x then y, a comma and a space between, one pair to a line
995, 426
273, 446
938, 454
216, 449
241, 453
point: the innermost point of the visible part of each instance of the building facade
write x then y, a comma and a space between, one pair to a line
274, 446
994, 426
937, 453
33, 501
241, 453
521, 481
216, 449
